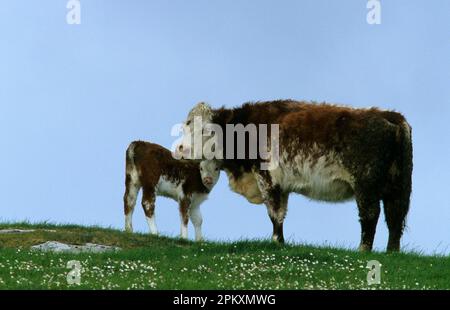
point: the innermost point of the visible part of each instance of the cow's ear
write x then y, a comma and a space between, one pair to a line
201, 109
202, 104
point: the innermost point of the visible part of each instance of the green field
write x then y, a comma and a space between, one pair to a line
148, 262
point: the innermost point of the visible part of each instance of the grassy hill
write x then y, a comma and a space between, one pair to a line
148, 262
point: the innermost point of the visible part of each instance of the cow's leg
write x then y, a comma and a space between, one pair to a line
277, 208
129, 201
396, 205
148, 204
395, 210
276, 202
369, 211
196, 219
185, 205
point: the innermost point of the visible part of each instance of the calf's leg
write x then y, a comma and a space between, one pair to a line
148, 204
129, 201
196, 219
184, 216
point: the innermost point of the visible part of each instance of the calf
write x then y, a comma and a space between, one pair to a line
151, 167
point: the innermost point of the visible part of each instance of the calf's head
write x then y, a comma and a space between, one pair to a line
209, 172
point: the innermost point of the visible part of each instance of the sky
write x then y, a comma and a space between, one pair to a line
72, 97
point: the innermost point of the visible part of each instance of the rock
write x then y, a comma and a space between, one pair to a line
15, 231
52, 246
59, 247
99, 248
22, 231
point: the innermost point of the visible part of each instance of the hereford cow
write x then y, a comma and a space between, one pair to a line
326, 152
152, 167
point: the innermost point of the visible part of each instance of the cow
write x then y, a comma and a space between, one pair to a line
326, 152
152, 167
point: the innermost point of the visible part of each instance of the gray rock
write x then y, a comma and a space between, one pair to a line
52, 246
59, 247
15, 231
22, 231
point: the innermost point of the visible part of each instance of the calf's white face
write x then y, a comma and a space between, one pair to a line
209, 172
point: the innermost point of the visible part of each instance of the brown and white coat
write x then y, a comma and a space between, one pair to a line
328, 153
151, 167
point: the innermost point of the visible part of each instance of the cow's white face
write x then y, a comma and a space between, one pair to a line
193, 126
210, 172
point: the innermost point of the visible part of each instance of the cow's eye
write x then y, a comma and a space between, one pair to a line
188, 123
217, 169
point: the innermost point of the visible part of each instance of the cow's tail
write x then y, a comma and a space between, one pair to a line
405, 163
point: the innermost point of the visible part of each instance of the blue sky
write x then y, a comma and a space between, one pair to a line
73, 96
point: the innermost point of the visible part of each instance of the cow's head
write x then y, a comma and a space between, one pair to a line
193, 131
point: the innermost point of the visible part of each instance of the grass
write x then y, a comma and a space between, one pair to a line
148, 262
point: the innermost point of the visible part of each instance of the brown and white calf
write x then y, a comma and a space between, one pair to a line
151, 167
326, 152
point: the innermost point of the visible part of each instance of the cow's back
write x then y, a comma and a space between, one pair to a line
324, 149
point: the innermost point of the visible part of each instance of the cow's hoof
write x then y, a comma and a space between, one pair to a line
393, 249
278, 239
393, 246
365, 248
